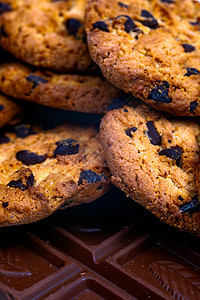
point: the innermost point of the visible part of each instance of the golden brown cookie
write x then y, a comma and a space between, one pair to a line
8, 110
150, 48
44, 171
89, 94
153, 159
46, 33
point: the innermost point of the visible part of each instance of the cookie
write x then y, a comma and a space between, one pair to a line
150, 48
46, 33
89, 94
8, 110
42, 171
153, 159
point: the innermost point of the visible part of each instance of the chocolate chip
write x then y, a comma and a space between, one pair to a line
191, 71
5, 204
160, 93
195, 23
180, 198
3, 32
36, 80
67, 147
150, 21
173, 152
130, 131
19, 184
122, 5
193, 106
101, 26
1, 107
23, 131
73, 26
4, 7
167, 1
90, 176
4, 139
188, 48
191, 206
152, 134
129, 24
29, 158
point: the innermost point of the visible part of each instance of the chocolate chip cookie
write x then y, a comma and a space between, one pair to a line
150, 48
89, 94
8, 110
153, 159
46, 33
42, 171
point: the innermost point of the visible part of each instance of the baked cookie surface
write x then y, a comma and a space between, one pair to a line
44, 171
153, 159
82, 93
150, 48
8, 110
46, 33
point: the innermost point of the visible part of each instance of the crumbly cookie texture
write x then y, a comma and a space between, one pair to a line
153, 159
46, 33
89, 94
44, 171
8, 110
150, 48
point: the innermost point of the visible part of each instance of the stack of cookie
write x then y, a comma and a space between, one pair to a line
149, 49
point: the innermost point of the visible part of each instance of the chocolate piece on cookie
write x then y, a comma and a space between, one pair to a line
47, 170
82, 93
150, 48
153, 159
46, 33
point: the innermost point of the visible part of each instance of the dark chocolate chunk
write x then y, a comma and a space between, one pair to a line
130, 131
122, 5
191, 71
4, 139
150, 21
4, 7
195, 23
36, 80
17, 184
67, 147
29, 158
180, 198
188, 48
160, 93
173, 152
101, 25
5, 204
73, 26
152, 134
23, 131
90, 176
193, 106
1, 107
3, 32
129, 24
191, 206
167, 1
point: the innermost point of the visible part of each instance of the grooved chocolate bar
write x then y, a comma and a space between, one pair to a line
109, 249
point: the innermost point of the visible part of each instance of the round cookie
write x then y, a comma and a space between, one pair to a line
153, 159
150, 48
46, 33
44, 171
89, 94
8, 110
